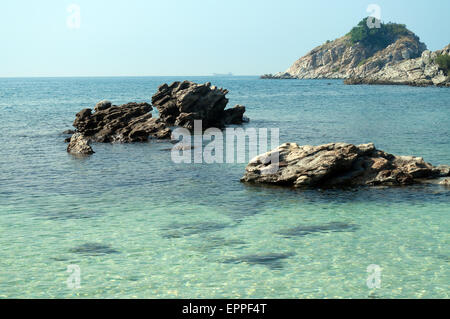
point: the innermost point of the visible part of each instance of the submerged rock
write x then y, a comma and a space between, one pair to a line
270, 260
130, 122
338, 164
304, 230
93, 249
79, 144
445, 182
180, 103
178, 230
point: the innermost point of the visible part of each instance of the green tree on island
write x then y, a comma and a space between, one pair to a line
443, 61
386, 34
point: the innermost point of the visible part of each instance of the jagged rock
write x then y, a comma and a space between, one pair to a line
422, 71
79, 145
130, 122
183, 102
337, 164
235, 115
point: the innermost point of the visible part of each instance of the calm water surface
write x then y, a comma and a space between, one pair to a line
139, 225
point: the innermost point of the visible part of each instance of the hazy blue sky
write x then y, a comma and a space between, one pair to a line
189, 37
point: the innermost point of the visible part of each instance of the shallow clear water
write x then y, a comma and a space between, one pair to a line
139, 225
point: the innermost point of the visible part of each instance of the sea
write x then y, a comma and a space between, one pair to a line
129, 222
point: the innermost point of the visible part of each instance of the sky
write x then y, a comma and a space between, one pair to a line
188, 37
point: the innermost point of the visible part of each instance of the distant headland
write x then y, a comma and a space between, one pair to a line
386, 54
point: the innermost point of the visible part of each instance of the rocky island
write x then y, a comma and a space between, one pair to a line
390, 54
339, 165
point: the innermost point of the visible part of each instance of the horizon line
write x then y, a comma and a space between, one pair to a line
121, 76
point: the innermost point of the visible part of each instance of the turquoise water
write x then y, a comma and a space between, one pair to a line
139, 225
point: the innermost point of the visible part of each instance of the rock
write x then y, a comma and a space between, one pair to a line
445, 182
235, 115
183, 102
279, 75
130, 122
68, 132
102, 105
336, 165
79, 145
443, 170
422, 71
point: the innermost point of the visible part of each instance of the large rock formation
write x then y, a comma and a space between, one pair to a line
130, 122
422, 71
362, 51
79, 145
183, 102
338, 164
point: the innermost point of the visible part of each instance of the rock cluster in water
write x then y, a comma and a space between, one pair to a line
180, 103
337, 165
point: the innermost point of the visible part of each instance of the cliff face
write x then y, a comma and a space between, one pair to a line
421, 71
361, 52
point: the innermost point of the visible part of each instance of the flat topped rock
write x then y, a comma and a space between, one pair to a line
338, 164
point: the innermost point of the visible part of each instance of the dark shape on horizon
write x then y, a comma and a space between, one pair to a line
223, 74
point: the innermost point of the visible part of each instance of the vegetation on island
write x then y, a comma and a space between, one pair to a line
386, 34
443, 61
